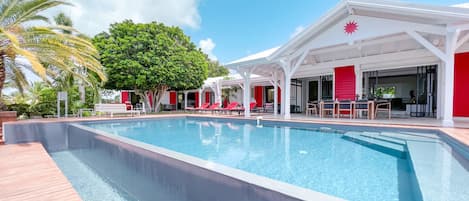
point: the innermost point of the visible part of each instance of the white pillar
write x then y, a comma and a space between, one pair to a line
247, 94
320, 88
282, 95
333, 84
200, 97
451, 38
287, 96
219, 92
358, 81
185, 99
275, 76
367, 84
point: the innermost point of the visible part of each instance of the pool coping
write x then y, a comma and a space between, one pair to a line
290, 190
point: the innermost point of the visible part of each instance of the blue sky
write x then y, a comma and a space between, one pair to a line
242, 27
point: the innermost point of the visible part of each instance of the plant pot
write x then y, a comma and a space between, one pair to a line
6, 116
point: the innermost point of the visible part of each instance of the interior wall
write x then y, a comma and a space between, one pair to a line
403, 84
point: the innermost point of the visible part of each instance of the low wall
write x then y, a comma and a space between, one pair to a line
140, 171
151, 173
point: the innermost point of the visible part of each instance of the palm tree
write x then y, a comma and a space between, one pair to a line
46, 50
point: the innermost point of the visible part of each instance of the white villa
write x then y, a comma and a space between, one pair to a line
416, 56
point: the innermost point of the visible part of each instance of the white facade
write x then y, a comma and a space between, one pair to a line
370, 36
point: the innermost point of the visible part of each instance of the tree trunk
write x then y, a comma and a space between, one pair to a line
2, 80
2, 72
157, 96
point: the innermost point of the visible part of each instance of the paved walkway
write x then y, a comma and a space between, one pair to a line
27, 172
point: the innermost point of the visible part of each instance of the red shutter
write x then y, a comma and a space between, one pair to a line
344, 83
172, 98
461, 83
124, 96
279, 95
207, 97
258, 95
196, 99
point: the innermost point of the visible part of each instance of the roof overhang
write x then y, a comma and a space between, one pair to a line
433, 21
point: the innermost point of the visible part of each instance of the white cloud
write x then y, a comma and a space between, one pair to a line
463, 5
297, 31
92, 17
207, 47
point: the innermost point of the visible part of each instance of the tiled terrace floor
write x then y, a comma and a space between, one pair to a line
28, 173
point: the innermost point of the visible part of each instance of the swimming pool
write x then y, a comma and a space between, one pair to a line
353, 163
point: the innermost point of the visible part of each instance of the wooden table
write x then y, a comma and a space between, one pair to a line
371, 109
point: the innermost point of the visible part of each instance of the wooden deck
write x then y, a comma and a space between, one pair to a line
27, 172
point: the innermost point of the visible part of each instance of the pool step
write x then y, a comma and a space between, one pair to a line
383, 146
440, 173
378, 136
408, 136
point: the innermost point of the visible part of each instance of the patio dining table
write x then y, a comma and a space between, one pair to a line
371, 108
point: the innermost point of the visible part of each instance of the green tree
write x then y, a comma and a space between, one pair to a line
150, 59
217, 70
45, 48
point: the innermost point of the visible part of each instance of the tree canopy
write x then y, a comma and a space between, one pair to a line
217, 70
46, 49
150, 59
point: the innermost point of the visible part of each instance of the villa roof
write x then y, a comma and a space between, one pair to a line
436, 18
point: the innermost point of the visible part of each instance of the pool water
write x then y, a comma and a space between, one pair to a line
87, 182
320, 160
97, 176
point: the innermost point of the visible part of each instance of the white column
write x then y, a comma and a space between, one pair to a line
287, 96
320, 88
219, 92
247, 94
451, 38
333, 84
200, 97
358, 81
282, 95
367, 84
185, 99
440, 90
275, 76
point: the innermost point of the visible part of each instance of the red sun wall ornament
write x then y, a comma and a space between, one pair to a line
351, 27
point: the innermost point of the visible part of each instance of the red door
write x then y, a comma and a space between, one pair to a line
258, 95
344, 83
279, 95
461, 83
124, 96
207, 97
196, 99
172, 98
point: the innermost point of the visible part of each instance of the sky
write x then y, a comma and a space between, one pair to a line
225, 30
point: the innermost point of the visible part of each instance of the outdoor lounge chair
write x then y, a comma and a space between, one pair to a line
361, 106
327, 106
203, 106
268, 107
212, 107
345, 106
383, 106
252, 108
312, 108
229, 108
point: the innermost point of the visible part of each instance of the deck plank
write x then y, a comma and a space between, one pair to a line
27, 172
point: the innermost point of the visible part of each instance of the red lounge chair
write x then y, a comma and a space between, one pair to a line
229, 107
212, 107
203, 106
252, 107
